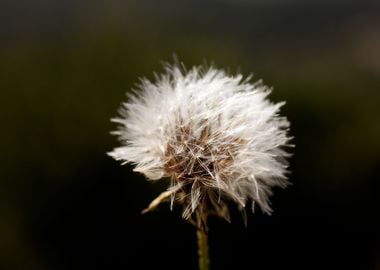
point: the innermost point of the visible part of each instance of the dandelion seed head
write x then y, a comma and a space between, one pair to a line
217, 137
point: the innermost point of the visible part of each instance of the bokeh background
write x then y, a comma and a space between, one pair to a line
65, 67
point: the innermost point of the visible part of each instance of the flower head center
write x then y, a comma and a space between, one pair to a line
199, 158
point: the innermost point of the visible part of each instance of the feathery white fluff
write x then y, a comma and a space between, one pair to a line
216, 136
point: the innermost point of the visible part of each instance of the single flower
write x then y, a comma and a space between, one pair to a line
215, 136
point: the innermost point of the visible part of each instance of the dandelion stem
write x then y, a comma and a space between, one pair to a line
204, 261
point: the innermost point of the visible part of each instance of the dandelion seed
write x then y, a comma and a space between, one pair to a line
216, 136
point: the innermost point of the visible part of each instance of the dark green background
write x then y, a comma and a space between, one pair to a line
65, 67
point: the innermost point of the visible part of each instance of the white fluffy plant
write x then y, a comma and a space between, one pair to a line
215, 136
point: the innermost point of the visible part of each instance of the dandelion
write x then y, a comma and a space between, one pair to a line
215, 136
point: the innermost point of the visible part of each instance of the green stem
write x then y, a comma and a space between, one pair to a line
204, 261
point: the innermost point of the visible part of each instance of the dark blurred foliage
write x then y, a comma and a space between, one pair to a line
65, 67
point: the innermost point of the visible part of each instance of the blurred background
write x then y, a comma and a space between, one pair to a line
65, 67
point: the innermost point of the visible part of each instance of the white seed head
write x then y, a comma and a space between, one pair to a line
216, 136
